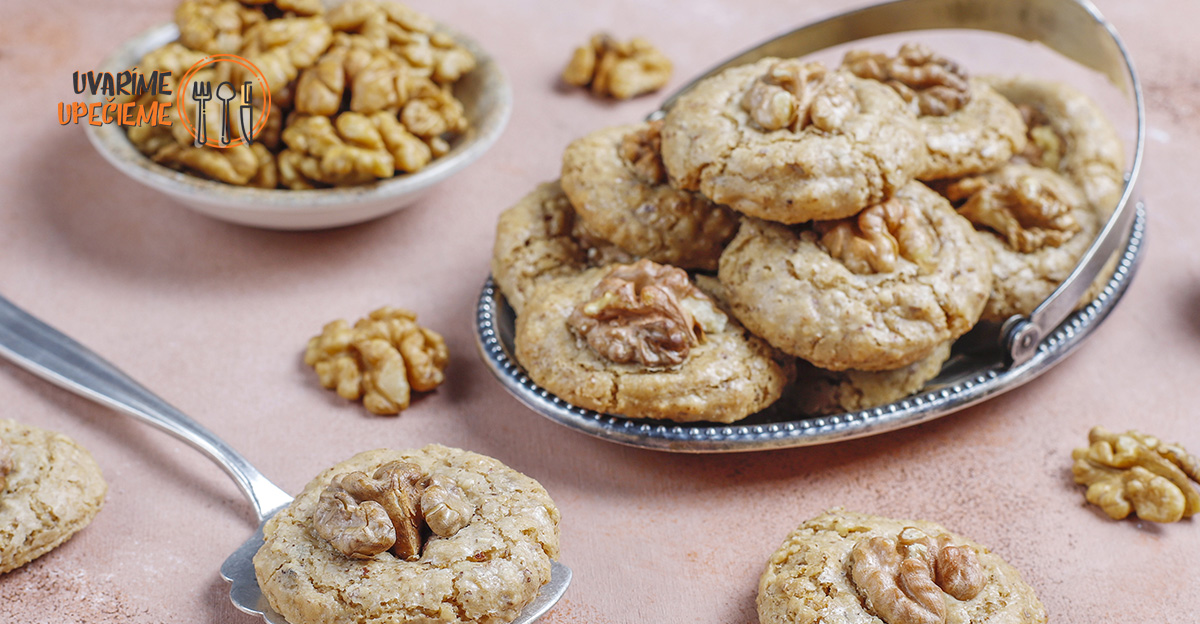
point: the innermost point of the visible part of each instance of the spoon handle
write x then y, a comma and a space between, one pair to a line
53, 356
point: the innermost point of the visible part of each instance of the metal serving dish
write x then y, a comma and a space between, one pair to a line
989, 360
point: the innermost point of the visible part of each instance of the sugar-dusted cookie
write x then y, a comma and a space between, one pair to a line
1069, 134
50, 488
968, 127
618, 186
1037, 225
430, 535
878, 291
791, 141
821, 392
539, 238
848, 567
642, 341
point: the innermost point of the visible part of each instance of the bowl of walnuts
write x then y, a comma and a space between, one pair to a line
286, 114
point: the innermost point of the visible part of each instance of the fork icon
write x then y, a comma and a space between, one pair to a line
201, 92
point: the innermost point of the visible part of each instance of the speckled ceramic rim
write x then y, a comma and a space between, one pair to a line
307, 209
1073, 28
495, 328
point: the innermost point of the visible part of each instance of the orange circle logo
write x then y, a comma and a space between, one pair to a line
211, 101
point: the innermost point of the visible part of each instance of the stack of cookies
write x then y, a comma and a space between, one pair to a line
858, 220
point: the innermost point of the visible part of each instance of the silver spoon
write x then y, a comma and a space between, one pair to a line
51, 355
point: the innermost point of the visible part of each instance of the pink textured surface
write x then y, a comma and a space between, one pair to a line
214, 318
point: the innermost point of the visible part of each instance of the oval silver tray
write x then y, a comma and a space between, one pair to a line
977, 371
989, 360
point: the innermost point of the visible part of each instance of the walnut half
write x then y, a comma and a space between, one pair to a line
932, 84
381, 360
639, 313
903, 580
621, 70
874, 240
1031, 208
1135, 472
793, 95
362, 516
642, 149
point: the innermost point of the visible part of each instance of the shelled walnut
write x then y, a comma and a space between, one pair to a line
381, 360
215, 26
409, 34
642, 149
932, 84
876, 239
362, 516
1031, 208
640, 313
1045, 146
621, 70
902, 581
793, 95
1136, 473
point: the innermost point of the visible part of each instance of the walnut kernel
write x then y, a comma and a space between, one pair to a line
877, 238
1135, 472
1045, 146
637, 314
620, 70
642, 149
932, 84
215, 26
903, 581
362, 516
1031, 208
445, 507
381, 360
793, 95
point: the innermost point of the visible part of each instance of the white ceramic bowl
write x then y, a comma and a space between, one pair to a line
486, 98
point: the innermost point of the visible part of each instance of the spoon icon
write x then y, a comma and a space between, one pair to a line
225, 93
55, 357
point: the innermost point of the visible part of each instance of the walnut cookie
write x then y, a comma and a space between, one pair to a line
50, 489
642, 341
541, 238
968, 127
1069, 134
875, 292
821, 392
851, 567
503, 535
618, 186
1036, 224
791, 141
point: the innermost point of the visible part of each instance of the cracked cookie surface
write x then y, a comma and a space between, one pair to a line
539, 238
617, 184
485, 573
53, 488
785, 286
1071, 135
808, 579
862, 144
729, 375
